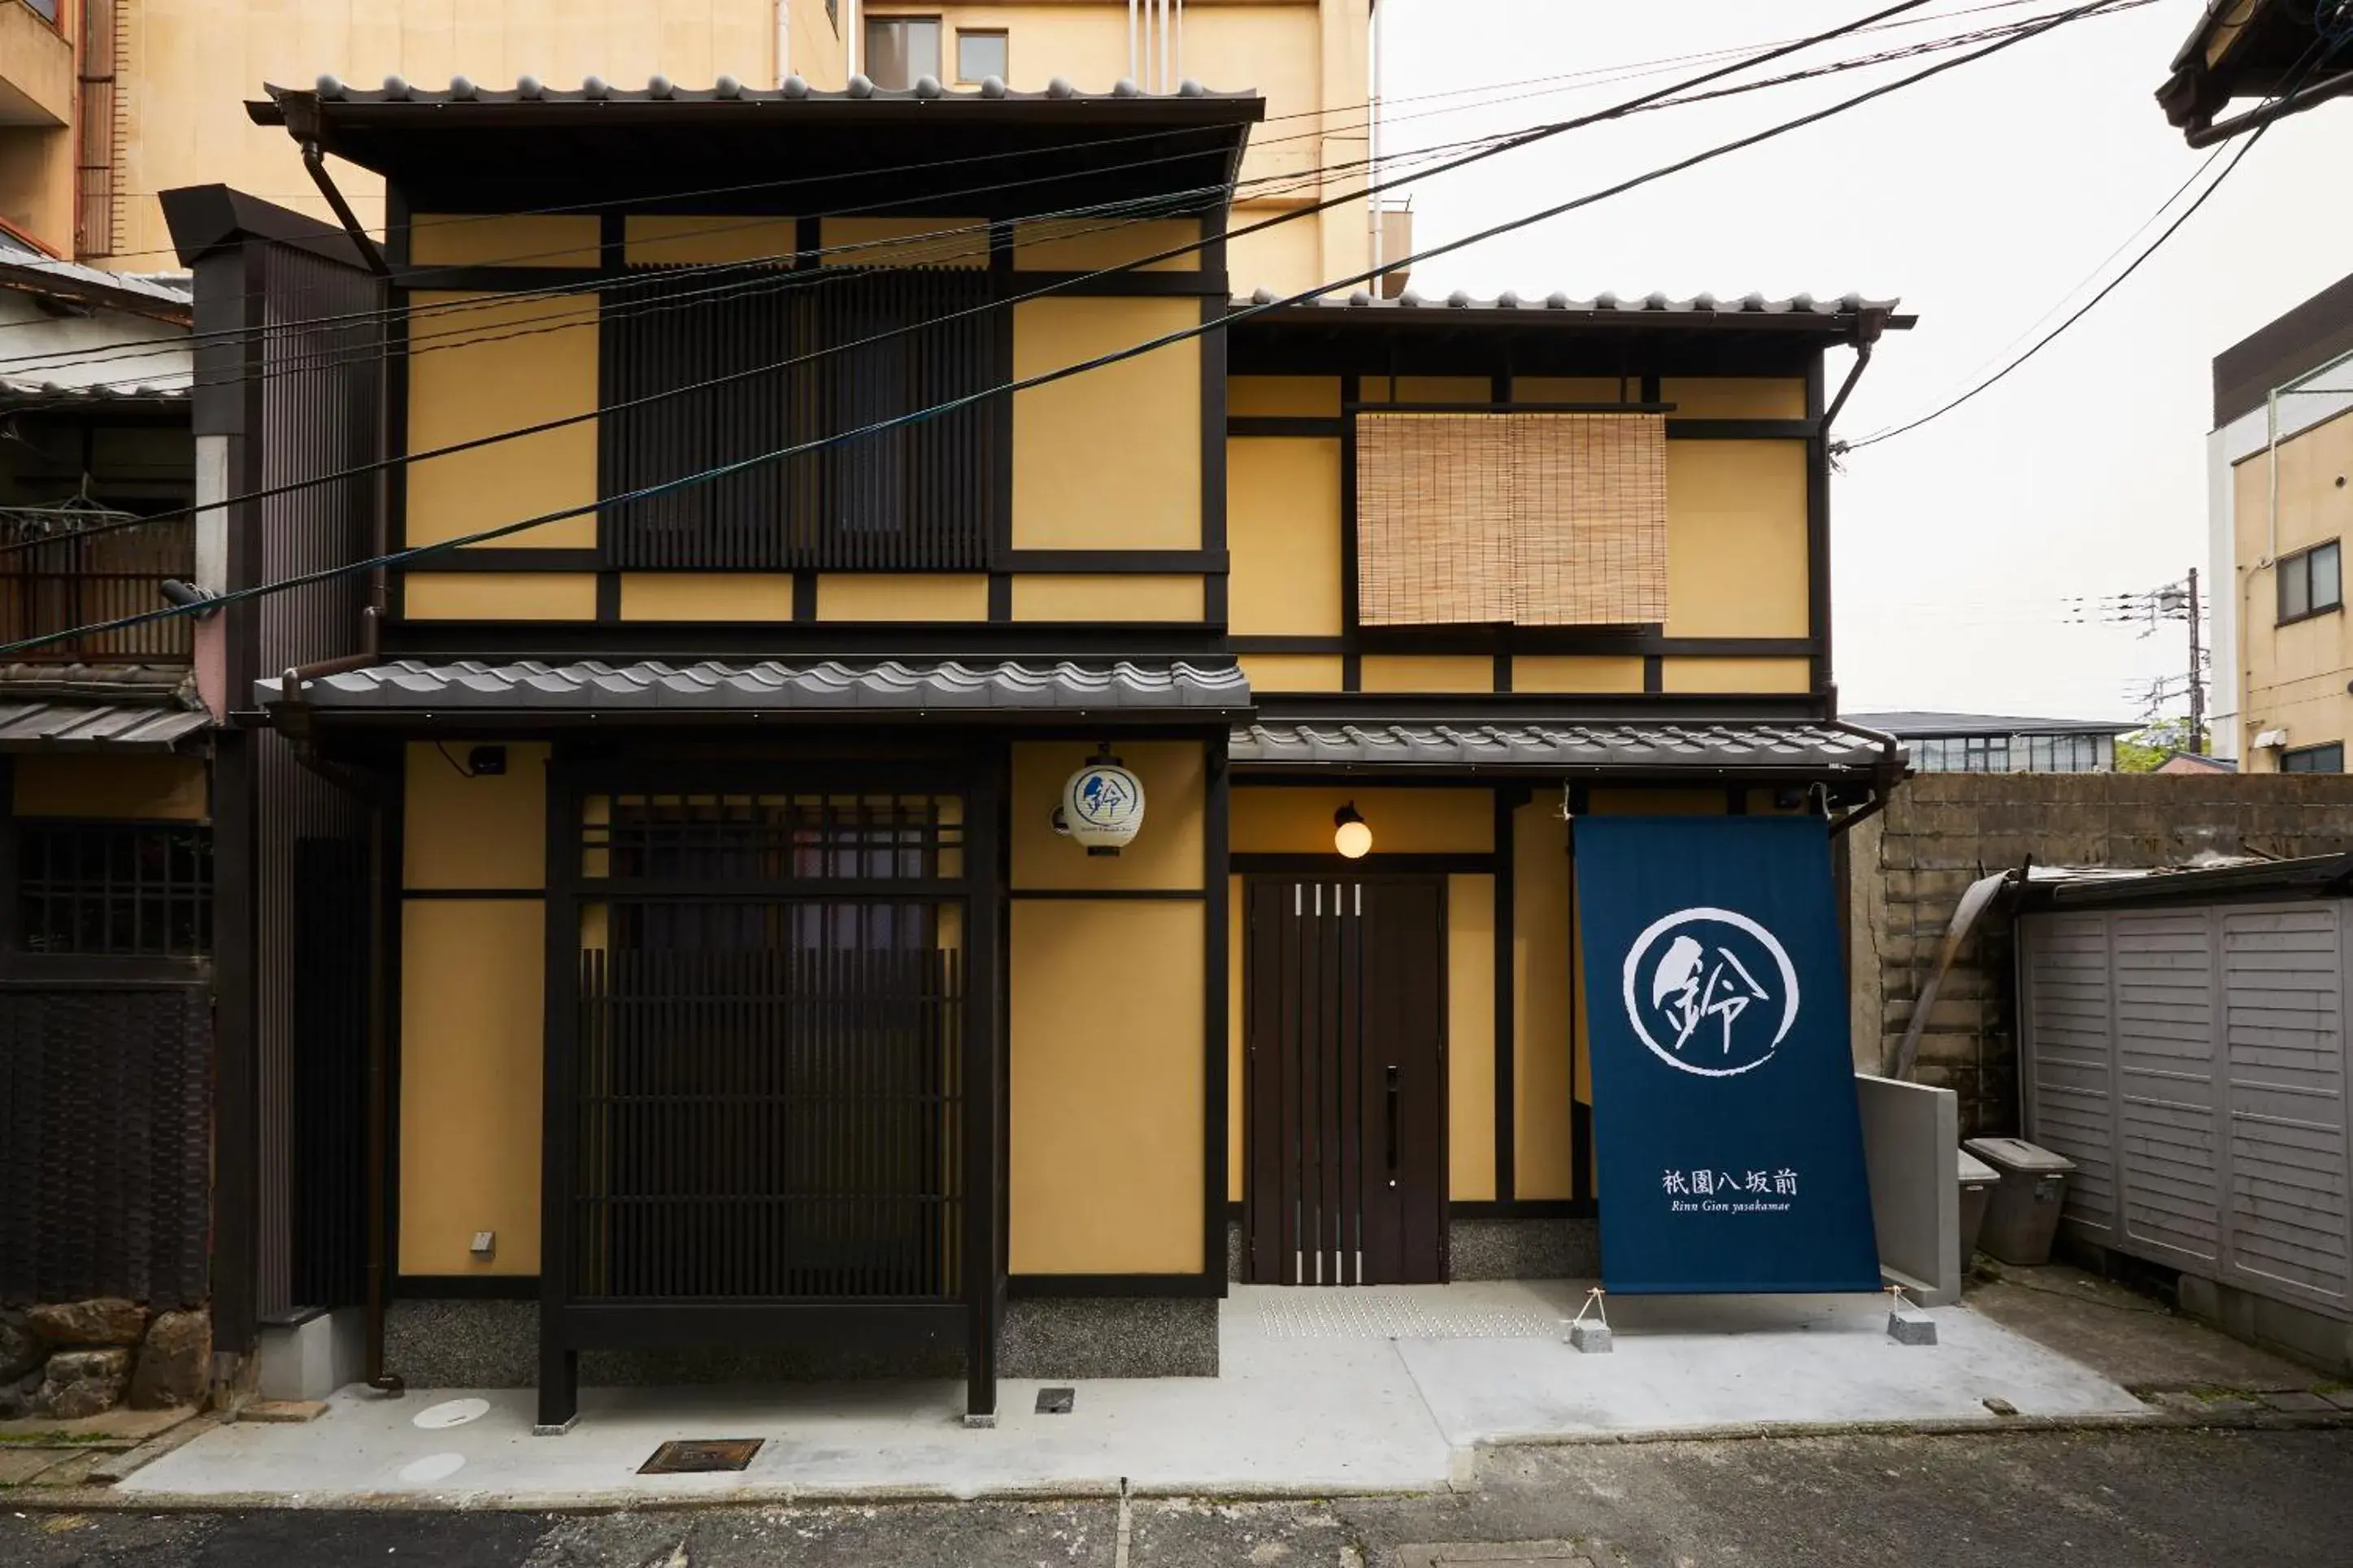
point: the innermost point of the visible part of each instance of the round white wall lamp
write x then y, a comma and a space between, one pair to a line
1352, 836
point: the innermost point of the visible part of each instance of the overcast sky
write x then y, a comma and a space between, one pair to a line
1982, 197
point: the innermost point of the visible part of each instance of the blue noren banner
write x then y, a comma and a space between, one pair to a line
1727, 1144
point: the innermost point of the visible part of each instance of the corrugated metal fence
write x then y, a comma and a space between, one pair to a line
2192, 1062
105, 1143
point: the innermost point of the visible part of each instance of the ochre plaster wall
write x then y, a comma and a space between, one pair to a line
1110, 460
471, 1035
122, 789
461, 386
1108, 1056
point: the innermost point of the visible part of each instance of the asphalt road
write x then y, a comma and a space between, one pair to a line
2274, 1499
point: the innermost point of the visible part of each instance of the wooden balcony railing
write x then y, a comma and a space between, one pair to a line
53, 580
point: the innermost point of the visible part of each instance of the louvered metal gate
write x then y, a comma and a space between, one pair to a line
2192, 1061
1346, 1036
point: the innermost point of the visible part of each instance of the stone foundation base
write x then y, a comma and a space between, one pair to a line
495, 1344
1525, 1248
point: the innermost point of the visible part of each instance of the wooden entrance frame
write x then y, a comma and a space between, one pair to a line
1274, 1252
567, 1324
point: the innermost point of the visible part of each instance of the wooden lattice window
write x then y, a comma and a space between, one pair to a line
1539, 519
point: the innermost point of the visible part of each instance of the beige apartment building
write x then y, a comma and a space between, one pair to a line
2280, 505
104, 103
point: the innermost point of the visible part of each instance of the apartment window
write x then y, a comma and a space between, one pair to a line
981, 55
902, 49
45, 9
2327, 759
2311, 582
125, 890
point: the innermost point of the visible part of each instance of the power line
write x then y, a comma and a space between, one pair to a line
1594, 75
1536, 133
1671, 98
2312, 57
1099, 361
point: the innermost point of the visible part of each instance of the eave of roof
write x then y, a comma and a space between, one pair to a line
2312, 875
167, 297
110, 728
789, 690
529, 101
1803, 312
1747, 748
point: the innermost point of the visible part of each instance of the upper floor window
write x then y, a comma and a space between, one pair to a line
797, 358
2311, 582
1498, 518
2327, 759
902, 49
981, 55
45, 9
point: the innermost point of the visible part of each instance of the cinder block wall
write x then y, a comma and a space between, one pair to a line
1906, 868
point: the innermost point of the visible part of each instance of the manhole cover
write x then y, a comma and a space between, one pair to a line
701, 1454
1056, 1401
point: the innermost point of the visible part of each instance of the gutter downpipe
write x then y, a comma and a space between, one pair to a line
1868, 326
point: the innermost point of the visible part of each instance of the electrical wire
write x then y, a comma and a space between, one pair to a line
1257, 308
1596, 76
2312, 58
761, 284
1536, 133
594, 284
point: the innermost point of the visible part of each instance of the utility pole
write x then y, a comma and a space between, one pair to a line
2197, 676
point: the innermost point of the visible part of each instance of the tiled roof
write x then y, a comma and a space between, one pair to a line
1752, 304
1753, 746
20, 389
650, 688
76, 727
170, 290
120, 683
662, 89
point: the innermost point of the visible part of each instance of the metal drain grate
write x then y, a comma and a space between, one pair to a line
1057, 1401
701, 1454
1340, 1314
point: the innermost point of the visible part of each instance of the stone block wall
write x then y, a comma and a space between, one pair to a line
72, 1360
1905, 869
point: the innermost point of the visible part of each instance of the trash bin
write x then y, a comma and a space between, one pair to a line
1977, 1182
2023, 1218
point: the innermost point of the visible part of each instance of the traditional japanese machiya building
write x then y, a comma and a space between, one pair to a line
755, 977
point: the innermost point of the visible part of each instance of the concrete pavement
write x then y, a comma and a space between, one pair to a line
2096, 1500
1382, 1389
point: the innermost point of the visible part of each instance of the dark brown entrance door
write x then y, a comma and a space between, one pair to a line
1345, 1039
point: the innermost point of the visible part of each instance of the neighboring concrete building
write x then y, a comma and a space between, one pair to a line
2279, 467
2001, 743
104, 105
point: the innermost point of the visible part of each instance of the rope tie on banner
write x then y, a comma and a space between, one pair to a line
1593, 1305
1897, 1301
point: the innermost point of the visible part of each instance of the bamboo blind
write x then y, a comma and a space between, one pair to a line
1539, 519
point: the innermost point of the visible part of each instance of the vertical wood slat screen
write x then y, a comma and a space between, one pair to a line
1522, 519
923, 496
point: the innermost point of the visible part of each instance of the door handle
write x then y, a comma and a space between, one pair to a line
1393, 1123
